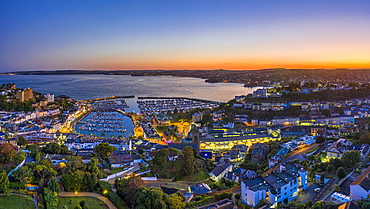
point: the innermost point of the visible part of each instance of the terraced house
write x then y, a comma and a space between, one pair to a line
280, 186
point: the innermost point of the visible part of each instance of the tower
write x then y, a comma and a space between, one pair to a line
195, 135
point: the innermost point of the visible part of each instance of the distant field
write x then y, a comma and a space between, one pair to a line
16, 202
91, 202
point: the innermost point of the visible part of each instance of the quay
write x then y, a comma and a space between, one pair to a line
112, 97
194, 99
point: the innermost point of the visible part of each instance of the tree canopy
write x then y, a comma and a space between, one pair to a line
149, 198
127, 187
189, 161
351, 158
7, 153
4, 182
104, 150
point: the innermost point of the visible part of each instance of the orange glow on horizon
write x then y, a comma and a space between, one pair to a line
256, 65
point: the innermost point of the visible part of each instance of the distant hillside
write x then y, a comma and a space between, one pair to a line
248, 77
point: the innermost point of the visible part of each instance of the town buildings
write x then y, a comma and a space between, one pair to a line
280, 186
24, 95
360, 187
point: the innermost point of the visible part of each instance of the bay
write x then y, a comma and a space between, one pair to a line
82, 87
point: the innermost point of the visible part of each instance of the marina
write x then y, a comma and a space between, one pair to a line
99, 123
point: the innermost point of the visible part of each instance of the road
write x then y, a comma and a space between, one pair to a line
321, 148
308, 194
128, 172
297, 154
328, 187
300, 154
88, 194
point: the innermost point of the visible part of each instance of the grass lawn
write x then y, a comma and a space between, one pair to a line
198, 176
115, 170
91, 202
311, 151
16, 202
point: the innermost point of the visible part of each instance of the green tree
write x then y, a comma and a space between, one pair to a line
318, 205
127, 186
78, 207
336, 188
45, 171
89, 181
351, 158
51, 198
51, 148
21, 141
20, 157
188, 167
74, 163
77, 180
23, 174
92, 166
149, 198
4, 182
53, 185
7, 153
160, 159
67, 182
341, 173
82, 203
364, 137
176, 202
104, 150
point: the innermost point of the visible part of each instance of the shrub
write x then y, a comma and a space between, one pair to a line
14, 185
203, 201
82, 203
104, 186
116, 200
224, 195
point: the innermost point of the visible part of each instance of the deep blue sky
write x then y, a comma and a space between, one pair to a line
90, 34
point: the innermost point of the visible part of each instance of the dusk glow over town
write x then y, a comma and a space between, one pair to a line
184, 104
183, 34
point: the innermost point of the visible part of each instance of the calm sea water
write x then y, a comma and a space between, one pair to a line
127, 122
83, 87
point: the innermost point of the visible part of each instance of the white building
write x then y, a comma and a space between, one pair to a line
280, 186
220, 170
260, 93
340, 198
360, 187
49, 97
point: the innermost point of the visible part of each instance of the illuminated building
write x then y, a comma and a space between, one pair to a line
220, 139
280, 186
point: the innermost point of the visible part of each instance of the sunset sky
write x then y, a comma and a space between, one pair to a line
184, 34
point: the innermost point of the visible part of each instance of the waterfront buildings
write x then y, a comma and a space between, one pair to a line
260, 93
24, 95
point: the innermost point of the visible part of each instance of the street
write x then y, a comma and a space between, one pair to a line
325, 190
300, 154
308, 194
